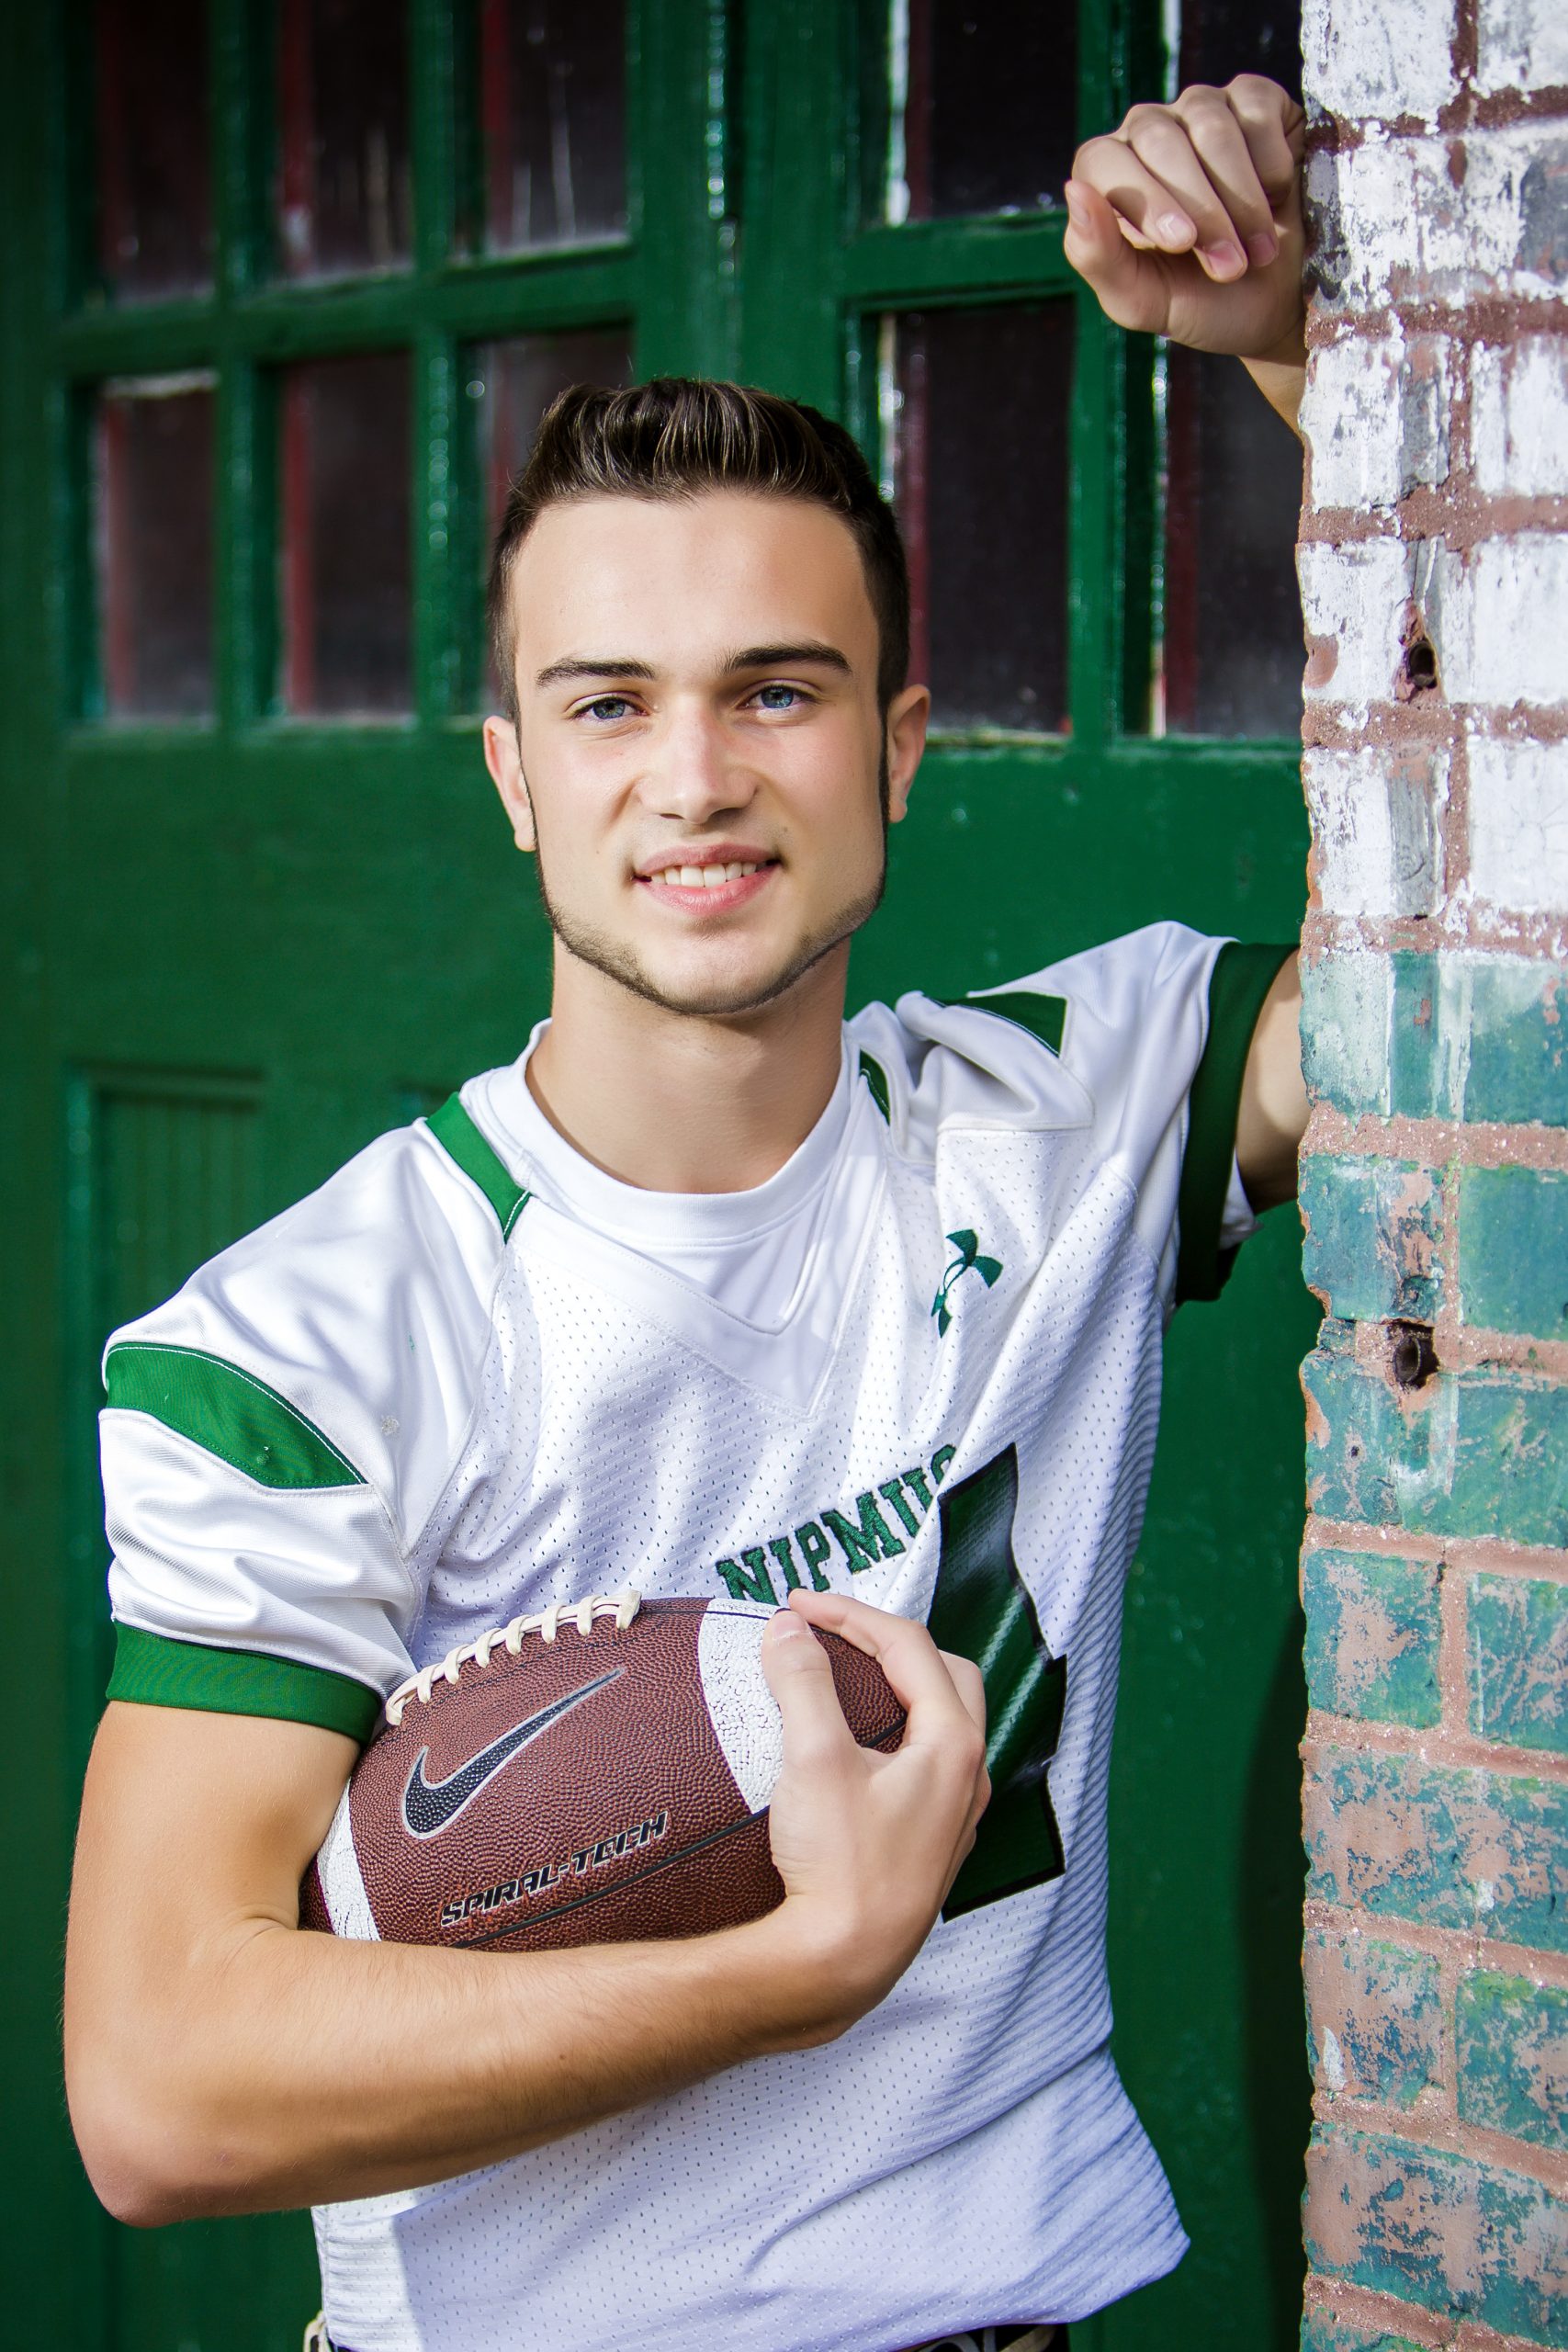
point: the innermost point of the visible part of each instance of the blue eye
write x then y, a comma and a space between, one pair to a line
792, 695
607, 708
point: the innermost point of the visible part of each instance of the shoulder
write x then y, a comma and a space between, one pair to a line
1065, 1046
337, 1330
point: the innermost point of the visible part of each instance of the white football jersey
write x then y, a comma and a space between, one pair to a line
472, 1375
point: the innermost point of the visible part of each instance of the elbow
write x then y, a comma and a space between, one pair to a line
149, 2160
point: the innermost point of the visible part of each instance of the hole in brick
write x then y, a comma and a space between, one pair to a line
1411, 1355
1417, 670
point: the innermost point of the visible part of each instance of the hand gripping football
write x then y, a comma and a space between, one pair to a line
592, 1775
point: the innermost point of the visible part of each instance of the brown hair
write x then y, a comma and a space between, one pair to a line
681, 434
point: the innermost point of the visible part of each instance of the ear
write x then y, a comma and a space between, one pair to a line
503, 757
908, 716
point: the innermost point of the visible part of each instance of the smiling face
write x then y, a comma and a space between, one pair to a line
699, 757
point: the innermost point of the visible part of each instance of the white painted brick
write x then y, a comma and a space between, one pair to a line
1386, 60
1353, 601
1518, 416
1394, 220
1523, 45
1376, 844
1375, 416
1519, 826
1497, 621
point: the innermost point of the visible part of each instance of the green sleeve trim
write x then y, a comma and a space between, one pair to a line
1241, 978
458, 1136
154, 1670
227, 1412
1045, 1017
875, 1078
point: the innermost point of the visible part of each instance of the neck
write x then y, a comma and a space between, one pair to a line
676, 1102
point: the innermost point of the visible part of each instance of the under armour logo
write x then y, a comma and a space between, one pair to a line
968, 1262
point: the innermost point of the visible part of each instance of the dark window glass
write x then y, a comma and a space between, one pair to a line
979, 403
345, 546
511, 384
154, 201
154, 548
553, 105
1223, 37
983, 106
342, 136
1232, 654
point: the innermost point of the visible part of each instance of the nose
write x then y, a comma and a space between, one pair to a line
694, 770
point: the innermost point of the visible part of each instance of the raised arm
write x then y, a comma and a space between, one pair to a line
1187, 221
220, 2059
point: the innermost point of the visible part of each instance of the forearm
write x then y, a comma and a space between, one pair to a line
275, 2068
1280, 375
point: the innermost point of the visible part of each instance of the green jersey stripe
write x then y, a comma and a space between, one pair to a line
1045, 1017
458, 1136
227, 1412
875, 1078
1241, 978
153, 1671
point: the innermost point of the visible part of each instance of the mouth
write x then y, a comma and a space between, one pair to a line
713, 883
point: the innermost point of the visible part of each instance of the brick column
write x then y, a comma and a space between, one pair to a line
1434, 569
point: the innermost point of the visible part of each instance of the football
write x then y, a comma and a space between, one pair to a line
594, 1774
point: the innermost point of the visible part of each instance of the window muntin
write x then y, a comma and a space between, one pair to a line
975, 407
983, 107
346, 537
152, 447
149, 143
552, 104
342, 166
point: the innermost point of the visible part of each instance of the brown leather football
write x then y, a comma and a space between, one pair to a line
592, 1775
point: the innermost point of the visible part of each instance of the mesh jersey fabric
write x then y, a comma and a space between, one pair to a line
441, 1391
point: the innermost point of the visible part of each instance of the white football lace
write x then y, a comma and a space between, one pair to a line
622, 1606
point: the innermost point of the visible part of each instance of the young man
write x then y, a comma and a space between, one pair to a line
708, 1291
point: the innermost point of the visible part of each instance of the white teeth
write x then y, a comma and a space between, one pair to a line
709, 878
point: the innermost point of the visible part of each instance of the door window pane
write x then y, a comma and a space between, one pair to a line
153, 532
975, 407
154, 201
345, 541
553, 103
1223, 37
342, 136
982, 108
1231, 652
511, 384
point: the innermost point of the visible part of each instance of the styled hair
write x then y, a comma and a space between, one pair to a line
679, 436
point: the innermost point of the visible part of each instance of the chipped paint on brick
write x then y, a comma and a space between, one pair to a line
1513, 1250
1463, 2238
1511, 2056
1374, 2014
1517, 1660
1445, 1846
1373, 1635
1372, 1238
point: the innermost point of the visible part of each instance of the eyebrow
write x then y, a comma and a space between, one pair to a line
809, 651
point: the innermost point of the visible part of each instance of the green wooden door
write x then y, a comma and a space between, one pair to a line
258, 905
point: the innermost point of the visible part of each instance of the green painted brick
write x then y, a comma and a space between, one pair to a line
1464, 2239
1478, 1453
1442, 1846
1466, 1036
1513, 1250
1511, 2055
1374, 2018
1372, 1238
1323, 2333
1373, 1629
1517, 1643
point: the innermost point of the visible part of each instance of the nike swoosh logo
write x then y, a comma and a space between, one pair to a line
431, 1806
